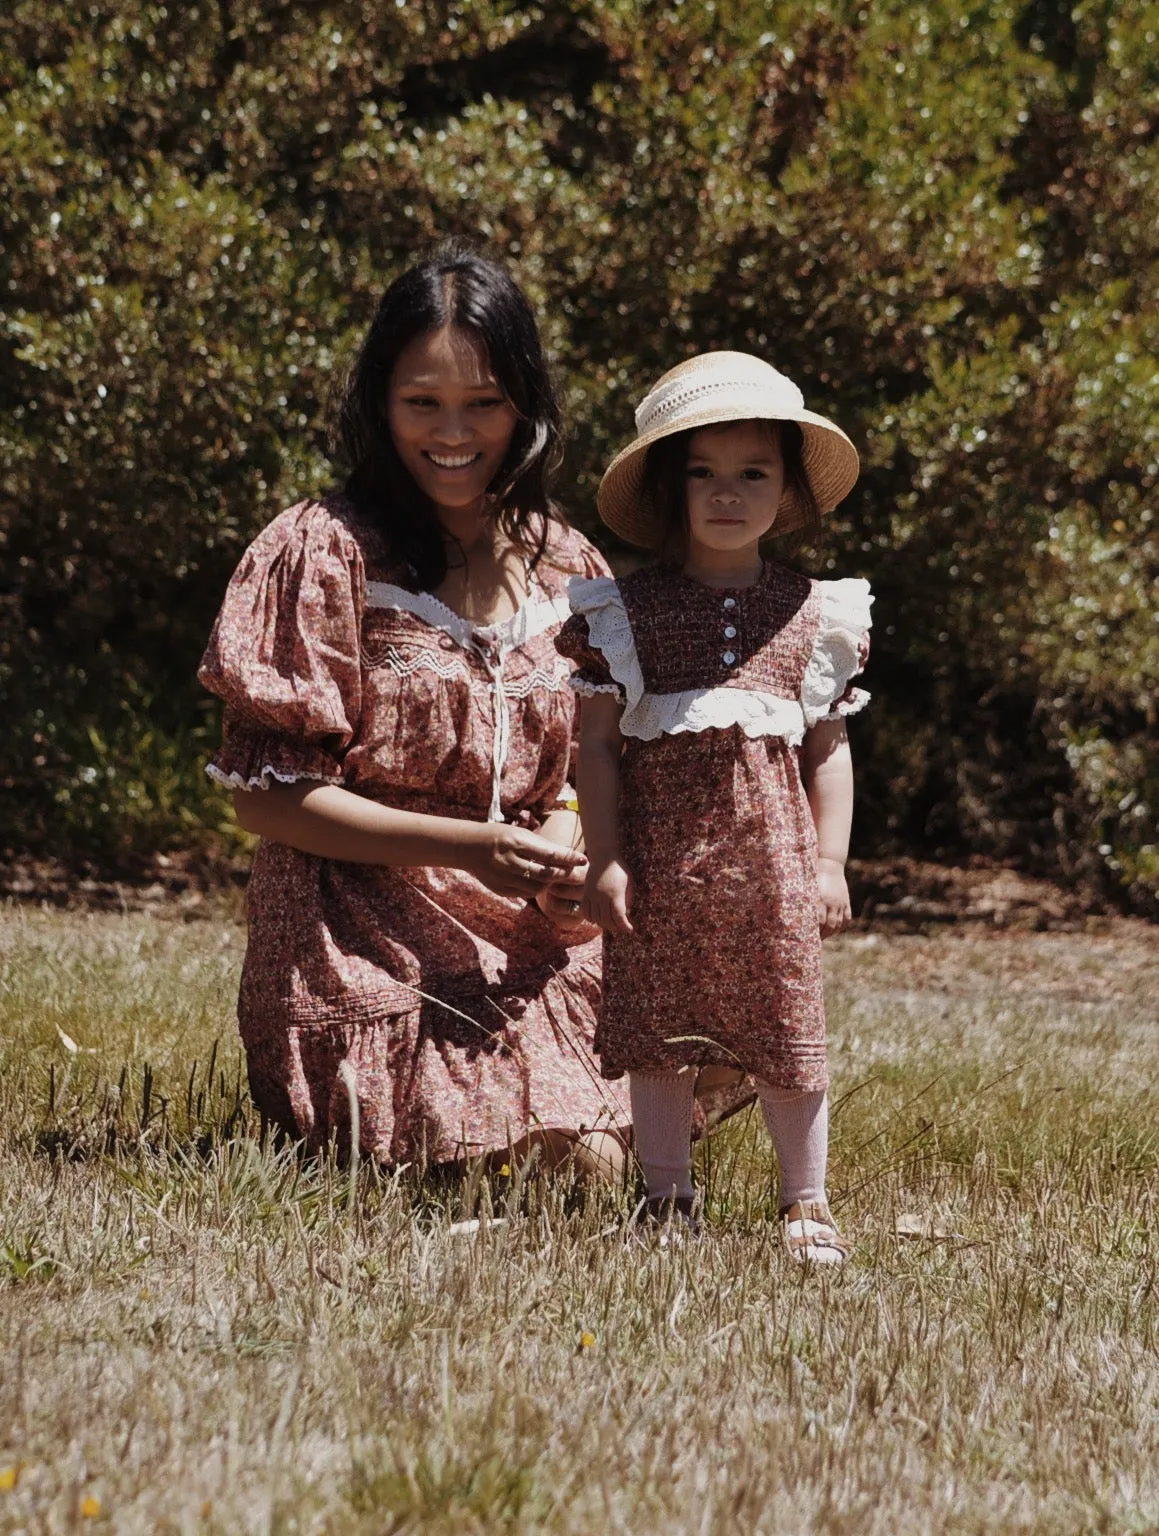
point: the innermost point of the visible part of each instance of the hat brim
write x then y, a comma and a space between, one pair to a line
829, 460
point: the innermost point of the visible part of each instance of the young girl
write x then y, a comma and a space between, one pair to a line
715, 781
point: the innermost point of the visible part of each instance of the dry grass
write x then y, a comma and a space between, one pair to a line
199, 1334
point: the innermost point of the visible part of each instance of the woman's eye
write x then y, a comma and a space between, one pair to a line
421, 401
489, 403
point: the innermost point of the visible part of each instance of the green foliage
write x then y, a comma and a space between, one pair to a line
941, 222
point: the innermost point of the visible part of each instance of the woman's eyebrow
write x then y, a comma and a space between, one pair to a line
426, 381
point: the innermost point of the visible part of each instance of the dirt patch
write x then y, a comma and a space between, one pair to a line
178, 884
900, 895
912, 895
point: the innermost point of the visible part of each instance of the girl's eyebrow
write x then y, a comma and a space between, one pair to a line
758, 461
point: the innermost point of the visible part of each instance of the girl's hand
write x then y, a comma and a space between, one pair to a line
512, 862
562, 902
607, 897
833, 905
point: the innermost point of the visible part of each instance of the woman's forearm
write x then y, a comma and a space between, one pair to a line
562, 827
335, 823
827, 769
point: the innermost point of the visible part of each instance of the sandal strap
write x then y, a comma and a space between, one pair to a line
809, 1227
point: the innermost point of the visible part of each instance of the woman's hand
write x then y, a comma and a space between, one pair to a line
562, 902
512, 862
607, 897
833, 906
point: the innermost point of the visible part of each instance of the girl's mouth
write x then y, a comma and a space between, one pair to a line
452, 460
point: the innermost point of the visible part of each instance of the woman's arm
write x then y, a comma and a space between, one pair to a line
827, 770
335, 823
607, 893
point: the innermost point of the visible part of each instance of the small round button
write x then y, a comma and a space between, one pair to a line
728, 658
729, 632
730, 602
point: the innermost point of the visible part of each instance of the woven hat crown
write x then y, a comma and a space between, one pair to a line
718, 381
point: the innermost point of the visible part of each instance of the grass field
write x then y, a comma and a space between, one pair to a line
198, 1334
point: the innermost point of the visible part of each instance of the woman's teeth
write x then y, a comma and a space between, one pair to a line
448, 461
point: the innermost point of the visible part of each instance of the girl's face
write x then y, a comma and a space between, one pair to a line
450, 420
734, 480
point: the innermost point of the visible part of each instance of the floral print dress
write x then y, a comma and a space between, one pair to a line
718, 688
461, 1018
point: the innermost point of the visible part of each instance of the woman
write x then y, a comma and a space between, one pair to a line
398, 730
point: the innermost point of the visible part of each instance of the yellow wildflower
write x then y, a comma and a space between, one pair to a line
90, 1506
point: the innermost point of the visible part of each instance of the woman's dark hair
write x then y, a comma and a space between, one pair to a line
453, 286
664, 489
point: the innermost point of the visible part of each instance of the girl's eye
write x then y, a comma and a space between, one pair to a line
699, 472
753, 474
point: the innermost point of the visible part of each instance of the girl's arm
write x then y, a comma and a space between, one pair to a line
827, 769
606, 896
336, 823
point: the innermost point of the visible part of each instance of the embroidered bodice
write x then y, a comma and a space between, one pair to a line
333, 669
773, 658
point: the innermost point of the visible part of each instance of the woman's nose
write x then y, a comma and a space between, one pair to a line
451, 428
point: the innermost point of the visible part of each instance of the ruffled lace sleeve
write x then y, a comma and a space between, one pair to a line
597, 615
840, 652
284, 653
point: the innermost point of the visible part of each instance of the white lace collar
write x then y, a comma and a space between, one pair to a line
537, 613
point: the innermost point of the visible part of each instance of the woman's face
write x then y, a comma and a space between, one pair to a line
450, 421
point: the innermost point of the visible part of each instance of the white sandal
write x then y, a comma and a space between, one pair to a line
811, 1234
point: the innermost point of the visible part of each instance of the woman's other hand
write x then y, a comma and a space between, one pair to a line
562, 901
607, 897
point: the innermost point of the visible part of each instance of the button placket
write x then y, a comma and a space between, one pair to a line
729, 604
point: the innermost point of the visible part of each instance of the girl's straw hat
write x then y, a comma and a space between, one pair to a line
709, 390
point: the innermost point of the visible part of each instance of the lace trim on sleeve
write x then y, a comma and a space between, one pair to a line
261, 779
838, 651
587, 689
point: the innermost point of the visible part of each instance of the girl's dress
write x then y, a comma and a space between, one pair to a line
718, 687
462, 1015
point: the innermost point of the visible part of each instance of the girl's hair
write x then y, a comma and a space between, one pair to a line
453, 286
664, 489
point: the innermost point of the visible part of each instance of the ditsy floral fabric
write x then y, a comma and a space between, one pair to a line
724, 966
460, 1017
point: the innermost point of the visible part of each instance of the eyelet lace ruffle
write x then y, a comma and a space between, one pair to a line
649, 715
838, 655
838, 651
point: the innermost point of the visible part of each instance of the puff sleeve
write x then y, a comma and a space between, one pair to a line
840, 651
284, 654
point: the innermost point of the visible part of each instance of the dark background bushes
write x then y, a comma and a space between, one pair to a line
942, 220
